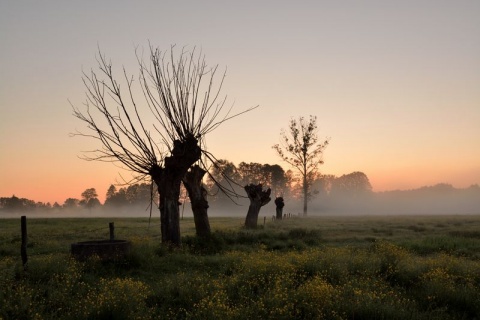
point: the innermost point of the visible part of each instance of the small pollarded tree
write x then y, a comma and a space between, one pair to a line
258, 198
301, 148
181, 104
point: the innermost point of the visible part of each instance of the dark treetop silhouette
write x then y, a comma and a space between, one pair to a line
182, 97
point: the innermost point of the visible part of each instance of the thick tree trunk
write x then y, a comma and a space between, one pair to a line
168, 179
169, 192
279, 207
252, 215
170, 219
258, 198
197, 194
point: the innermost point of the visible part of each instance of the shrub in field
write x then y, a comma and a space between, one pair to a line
16, 300
215, 305
316, 299
439, 289
448, 244
372, 298
212, 244
390, 256
115, 298
175, 296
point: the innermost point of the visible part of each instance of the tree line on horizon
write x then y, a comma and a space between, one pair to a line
325, 189
286, 184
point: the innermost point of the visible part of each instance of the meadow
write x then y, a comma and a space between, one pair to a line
370, 267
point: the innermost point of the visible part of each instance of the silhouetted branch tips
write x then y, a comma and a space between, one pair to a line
228, 189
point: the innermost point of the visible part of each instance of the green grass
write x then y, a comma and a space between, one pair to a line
303, 268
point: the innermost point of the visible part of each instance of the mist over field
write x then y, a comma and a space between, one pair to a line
437, 200
441, 199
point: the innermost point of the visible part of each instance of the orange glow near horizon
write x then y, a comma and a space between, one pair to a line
417, 178
57, 189
394, 86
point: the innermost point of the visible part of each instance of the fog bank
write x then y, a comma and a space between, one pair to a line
441, 199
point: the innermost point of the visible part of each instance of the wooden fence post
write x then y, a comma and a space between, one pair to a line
23, 247
112, 231
264, 221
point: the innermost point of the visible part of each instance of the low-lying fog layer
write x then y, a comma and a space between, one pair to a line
428, 201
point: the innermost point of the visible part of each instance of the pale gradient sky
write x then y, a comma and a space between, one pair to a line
395, 84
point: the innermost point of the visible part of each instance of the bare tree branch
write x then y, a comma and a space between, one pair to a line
300, 148
181, 104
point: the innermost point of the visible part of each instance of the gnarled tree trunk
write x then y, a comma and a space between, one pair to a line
279, 203
197, 193
258, 198
168, 179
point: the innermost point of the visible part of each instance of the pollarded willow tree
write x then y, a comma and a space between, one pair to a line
258, 198
301, 149
162, 137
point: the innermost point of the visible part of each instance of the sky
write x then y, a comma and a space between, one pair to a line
395, 85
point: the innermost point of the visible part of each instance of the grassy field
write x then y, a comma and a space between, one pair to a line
410, 267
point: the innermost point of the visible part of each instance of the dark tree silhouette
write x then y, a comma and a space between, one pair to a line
271, 175
277, 179
133, 194
89, 199
16, 204
252, 173
71, 203
181, 96
89, 194
279, 204
111, 192
116, 198
355, 184
138, 193
13, 203
258, 198
224, 182
301, 149
219, 171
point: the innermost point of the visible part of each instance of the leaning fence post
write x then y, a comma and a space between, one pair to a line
112, 231
23, 247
